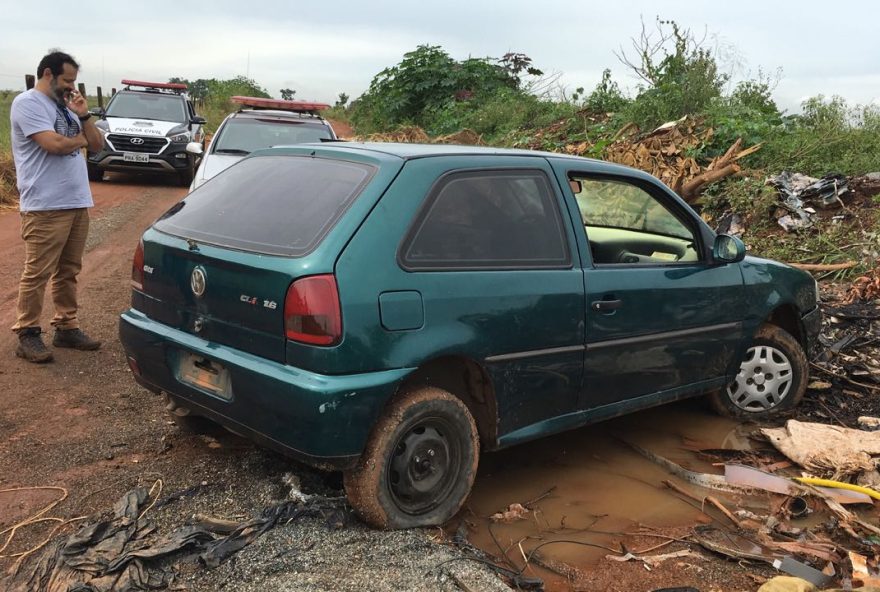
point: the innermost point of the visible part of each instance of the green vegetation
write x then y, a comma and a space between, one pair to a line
6, 97
212, 96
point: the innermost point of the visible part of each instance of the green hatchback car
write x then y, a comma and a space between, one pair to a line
390, 310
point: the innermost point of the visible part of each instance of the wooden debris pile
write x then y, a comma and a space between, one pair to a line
864, 288
666, 154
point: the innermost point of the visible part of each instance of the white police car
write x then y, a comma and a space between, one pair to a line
147, 127
259, 123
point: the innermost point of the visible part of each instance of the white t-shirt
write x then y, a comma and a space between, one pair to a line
47, 181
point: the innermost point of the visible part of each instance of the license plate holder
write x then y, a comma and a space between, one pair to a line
205, 375
135, 157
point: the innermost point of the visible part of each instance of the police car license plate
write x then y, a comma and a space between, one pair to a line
135, 157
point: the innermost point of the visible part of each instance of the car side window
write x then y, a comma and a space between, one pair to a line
488, 219
625, 224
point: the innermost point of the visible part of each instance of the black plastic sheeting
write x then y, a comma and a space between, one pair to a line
126, 553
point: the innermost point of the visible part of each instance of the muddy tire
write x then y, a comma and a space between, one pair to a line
419, 463
772, 378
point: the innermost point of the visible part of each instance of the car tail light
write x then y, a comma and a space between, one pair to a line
137, 267
311, 311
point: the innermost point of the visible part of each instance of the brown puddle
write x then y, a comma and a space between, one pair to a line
599, 484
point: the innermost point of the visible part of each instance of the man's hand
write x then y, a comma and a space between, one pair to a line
78, 104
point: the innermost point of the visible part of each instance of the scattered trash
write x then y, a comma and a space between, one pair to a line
802, 570
717, 482
826, 448
796, 190
751, 477
787, 584
126, 551
860, 573
866, 287
838, 484
797, 506
513, 513
869, 423
654, 560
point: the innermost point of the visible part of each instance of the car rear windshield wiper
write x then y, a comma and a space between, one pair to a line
232, 151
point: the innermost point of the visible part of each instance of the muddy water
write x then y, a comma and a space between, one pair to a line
601, 487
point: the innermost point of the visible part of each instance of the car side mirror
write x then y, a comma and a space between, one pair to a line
97, 111
199, 120
728, 249
576, 186
194, 148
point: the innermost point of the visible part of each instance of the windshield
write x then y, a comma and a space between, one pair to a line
244, 135
147, 106
277, 205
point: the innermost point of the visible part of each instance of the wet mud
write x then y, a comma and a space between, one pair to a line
590, 490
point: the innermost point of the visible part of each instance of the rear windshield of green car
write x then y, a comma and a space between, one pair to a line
276, 205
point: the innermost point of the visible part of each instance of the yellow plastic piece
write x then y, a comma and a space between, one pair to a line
839, 485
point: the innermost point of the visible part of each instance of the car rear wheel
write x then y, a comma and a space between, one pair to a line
419, 463
772, 378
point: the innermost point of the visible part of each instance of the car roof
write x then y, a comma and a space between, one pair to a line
406, 151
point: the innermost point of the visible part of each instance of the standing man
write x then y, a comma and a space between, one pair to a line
50, 126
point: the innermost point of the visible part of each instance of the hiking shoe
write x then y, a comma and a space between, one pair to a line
74, 338
31, 346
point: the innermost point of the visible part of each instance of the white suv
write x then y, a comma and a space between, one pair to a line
146, 128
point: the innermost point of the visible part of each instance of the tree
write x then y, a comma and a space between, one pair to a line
287, 94
426, 80
679, 76
342, 100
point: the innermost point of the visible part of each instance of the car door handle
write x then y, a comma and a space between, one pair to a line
606, 305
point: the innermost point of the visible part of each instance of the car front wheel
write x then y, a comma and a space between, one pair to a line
95, 174
419, 463
771, 380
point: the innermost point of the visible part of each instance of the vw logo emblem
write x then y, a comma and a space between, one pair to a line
137, 141
197, 281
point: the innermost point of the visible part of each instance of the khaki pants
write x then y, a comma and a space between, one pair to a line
54, 244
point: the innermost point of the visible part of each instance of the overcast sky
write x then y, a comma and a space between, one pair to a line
321, 49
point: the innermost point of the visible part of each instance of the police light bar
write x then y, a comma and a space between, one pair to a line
295, 106
163, 85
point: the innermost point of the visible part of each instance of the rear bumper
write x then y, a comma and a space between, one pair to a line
321, 420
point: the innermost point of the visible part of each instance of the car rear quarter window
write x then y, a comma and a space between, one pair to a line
276, 205
488, 219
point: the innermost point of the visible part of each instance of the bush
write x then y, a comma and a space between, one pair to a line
424, 83
830, 136
496, 116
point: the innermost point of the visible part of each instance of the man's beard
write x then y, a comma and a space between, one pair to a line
61, 95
